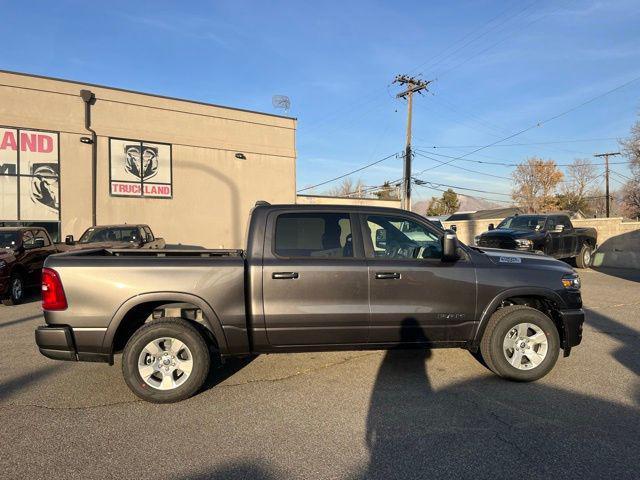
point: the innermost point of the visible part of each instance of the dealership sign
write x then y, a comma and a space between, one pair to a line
140, 169
29, 175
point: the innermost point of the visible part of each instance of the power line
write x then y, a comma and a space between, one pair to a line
418, 152
348, 173
474, 196
542, 122
432, 65
504, 164
527, 144
418, 181
518, 30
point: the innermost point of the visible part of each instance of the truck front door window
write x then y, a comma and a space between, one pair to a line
400, 238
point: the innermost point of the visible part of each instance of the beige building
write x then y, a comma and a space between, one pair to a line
190, 170
328, 200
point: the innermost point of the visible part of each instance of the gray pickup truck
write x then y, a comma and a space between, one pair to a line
311, 278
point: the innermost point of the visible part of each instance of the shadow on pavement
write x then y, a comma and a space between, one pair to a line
628, 354
230, 367
631, 274
13, 385
485, 428
21, 320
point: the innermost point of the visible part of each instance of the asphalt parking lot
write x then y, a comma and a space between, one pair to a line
347, 415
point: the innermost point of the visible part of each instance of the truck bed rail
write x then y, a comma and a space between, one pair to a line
128, 252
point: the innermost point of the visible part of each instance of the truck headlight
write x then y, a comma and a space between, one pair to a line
571, 280
523, 243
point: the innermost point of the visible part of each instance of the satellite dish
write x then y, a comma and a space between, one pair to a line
281, 101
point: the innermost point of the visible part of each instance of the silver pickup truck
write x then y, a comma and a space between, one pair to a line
311, 278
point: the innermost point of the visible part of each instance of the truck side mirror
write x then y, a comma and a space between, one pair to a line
381, 238
559, 228
69, 240
454, 228
491, 226
449, 246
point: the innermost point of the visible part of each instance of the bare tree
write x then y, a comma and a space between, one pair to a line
347, 188
631, 189
535, 184
579, 186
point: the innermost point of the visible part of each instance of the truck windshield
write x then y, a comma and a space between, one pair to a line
108, 234
524, 222
8, 240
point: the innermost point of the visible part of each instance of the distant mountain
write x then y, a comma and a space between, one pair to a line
467, 204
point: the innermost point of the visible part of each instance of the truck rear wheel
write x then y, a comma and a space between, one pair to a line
166, 361
583, 260
520, 343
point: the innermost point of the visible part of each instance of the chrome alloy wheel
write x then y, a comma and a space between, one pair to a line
586, 257
165, 363
16, 288
525, 346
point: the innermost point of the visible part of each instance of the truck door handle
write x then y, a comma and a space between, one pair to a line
387, 276
284, 275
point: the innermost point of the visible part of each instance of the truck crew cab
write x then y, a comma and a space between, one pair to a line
311, 278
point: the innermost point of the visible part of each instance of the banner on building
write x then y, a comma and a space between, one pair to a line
140, 169
29, 175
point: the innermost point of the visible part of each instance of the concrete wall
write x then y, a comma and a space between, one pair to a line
327, 200
212, 190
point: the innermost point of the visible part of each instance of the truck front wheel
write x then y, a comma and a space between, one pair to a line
520, 343
166, 361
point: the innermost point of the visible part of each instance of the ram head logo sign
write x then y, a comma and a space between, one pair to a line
44, 185
143, 165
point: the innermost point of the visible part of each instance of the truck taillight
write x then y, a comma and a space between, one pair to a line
53, 297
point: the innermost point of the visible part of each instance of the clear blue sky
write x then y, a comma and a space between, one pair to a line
498, 67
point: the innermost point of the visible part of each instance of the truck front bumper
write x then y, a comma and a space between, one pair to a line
56, 342
572, 321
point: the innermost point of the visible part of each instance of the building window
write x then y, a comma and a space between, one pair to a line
140, 169
29, 175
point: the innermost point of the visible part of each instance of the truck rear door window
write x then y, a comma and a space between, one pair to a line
316, 235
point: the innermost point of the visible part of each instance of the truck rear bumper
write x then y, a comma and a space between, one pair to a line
572, 322
58, 343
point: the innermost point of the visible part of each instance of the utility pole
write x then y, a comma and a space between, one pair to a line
412, 85
606, 175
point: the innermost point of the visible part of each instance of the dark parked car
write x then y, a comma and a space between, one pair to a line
23, 251
312, 277
116, 236
551, 234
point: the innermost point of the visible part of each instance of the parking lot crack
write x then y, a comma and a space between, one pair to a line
298, 373
78, 408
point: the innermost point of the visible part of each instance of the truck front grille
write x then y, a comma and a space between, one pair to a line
507, 243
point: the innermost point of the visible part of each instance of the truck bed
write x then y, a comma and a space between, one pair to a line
101, 284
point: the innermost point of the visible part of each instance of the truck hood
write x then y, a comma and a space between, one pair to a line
513, 233
517, 258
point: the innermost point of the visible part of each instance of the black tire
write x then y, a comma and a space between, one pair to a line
173, 328
13, 297
501, 323
583, 260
